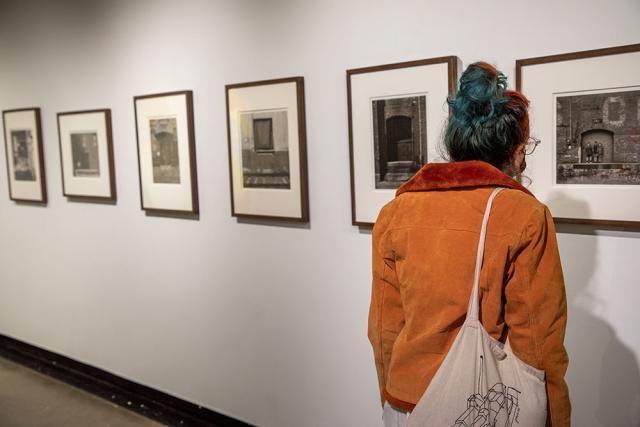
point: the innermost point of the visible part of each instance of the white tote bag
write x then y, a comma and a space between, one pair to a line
481, 382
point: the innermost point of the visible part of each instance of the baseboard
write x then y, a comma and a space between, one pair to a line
151, 403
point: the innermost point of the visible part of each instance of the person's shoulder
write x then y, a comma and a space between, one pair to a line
521, 203
530, 216
385, 216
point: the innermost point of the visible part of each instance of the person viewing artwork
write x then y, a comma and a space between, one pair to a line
424, 246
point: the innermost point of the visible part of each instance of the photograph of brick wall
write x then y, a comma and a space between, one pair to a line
265, 149
399, 139
598, 138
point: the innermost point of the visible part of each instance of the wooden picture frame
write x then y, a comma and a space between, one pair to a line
86, 155
165, 139
585, 107
270, 182
24, 157
415, 94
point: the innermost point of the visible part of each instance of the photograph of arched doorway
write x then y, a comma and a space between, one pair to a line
164, 150
597, 146
399, 139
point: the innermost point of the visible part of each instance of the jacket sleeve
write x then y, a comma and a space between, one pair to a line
536, 310
386, 317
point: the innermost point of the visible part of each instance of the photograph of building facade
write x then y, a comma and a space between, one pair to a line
265, 149
23, 156
598, 138
399, 139
84, 150
164, 151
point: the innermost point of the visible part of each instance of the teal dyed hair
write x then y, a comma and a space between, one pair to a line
487, 121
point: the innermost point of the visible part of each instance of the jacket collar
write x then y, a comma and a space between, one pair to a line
468, 174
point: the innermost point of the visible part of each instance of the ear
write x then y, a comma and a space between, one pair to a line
519, 149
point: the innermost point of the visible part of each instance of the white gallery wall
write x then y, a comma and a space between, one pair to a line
263, 322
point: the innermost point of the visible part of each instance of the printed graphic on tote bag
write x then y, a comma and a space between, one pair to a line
498, 408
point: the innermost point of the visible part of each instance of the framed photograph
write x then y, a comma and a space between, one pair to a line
167, 153
585, 107
396, 118
24, 155
86, 155
267, 150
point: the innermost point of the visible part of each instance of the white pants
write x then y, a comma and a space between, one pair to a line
393, 417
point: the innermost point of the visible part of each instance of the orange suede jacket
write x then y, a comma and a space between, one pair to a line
424, 247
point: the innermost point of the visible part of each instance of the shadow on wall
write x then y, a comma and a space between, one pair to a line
603, 376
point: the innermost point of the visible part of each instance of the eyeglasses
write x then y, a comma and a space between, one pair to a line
531, 145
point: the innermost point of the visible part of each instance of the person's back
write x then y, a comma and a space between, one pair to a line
424, 244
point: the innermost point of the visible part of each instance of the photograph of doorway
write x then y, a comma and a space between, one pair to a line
399, 139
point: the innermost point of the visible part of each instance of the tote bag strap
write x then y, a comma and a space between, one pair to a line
473, 310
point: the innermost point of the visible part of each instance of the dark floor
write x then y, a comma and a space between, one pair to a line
31, 399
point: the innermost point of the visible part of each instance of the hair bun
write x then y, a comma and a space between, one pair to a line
487, 121
481, 95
